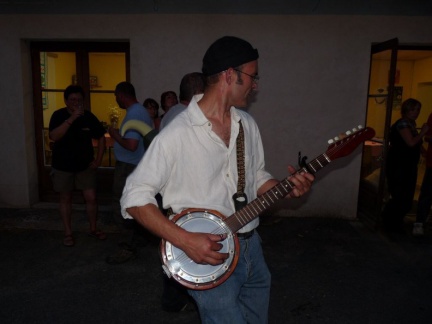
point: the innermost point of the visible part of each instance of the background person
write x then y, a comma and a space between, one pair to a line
168, 99
425, 198
73, 164
193, 163
190, 85
401, 165
153, 109
128, 151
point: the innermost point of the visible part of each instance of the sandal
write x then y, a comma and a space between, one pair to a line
98, 235
68, 241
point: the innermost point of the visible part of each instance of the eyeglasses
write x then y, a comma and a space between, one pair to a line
255, 78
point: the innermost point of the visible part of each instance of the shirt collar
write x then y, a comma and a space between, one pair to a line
197, 116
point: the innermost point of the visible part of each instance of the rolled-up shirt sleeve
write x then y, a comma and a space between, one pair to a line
154, 168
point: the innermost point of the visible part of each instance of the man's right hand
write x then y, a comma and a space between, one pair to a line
114, 132
203, 248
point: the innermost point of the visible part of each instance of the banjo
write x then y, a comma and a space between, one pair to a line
180, 267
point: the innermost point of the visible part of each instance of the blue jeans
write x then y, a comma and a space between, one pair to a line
244, 297
425, 198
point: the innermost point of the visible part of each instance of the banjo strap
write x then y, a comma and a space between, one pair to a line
240, 160
240, 198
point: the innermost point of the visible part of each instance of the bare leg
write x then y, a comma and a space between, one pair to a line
65, 209
91, 208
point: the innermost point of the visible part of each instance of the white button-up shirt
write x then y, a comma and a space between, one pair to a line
193, 168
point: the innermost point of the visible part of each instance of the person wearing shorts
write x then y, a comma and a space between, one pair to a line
73, 163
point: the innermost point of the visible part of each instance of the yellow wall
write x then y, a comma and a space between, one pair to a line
422, 89
109, 68
416, 79
423, 70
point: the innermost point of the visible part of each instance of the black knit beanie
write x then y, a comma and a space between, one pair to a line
226, 52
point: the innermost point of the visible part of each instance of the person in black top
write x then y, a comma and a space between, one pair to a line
401, 165
73, 164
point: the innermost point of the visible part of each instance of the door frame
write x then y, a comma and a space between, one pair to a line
392, 45
370, 203
81, 49
373, 218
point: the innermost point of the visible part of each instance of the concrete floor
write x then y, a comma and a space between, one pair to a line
323, 271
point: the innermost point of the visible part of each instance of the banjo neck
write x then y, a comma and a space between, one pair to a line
338, 147
260, 204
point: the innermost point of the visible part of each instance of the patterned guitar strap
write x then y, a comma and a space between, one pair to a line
240, 198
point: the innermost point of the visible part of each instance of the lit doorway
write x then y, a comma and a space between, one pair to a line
397, 72
97, 67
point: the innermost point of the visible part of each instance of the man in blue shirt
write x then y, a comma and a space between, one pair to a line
128, 151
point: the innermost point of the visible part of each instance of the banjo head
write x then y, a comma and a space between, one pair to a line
200, 276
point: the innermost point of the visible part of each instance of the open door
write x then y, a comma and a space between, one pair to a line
382, 96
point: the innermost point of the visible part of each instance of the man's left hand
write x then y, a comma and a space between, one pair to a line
302, 182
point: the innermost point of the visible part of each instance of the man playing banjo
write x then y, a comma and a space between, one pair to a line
193, 164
